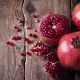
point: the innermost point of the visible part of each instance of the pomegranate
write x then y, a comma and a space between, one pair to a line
52, 55
69, 50
52, 27
76, 16
40, 49
43, 50
55, 70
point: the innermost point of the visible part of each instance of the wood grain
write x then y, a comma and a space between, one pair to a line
33, 69
10, 66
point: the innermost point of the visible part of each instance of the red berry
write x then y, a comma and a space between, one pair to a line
55, 70
10, 43
16, 38
52, 27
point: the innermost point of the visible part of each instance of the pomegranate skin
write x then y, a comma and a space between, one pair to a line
76, 16
69, 51
52, 27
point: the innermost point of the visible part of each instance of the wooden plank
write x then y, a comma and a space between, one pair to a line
10, 66
73, 4
33, 69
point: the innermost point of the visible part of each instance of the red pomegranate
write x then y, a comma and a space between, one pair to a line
69, 50
52, 27
57, 71
76, 16
43, 51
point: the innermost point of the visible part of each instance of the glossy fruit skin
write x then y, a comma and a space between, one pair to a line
69, 55
76, 16
56, 70
52, 27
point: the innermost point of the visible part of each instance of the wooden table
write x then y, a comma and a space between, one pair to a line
12, 66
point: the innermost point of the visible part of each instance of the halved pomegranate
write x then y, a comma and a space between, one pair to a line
43, 50
52, 27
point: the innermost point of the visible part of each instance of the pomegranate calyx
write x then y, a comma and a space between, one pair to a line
76, 42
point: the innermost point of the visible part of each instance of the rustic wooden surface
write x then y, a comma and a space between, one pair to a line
33, 69
11, 67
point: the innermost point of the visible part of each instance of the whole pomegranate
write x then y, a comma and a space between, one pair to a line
69, 50
52, 27
76, 16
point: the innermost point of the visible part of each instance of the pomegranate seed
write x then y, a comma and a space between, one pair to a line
17, 28
34, 15
40, 49
10, 43
37, 20
28, 53
20, 21
27, 40
33, 35
28, 28
16, 38
23, 54
52, 55
35, 30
